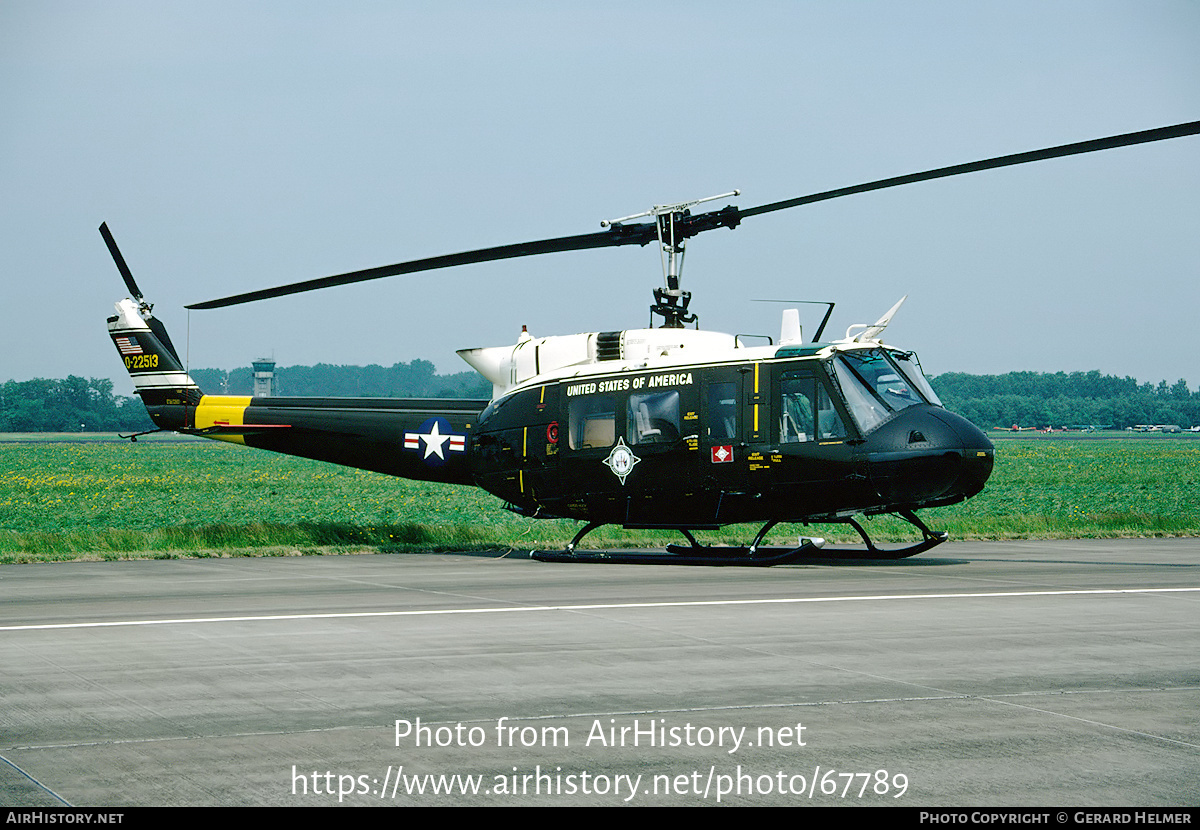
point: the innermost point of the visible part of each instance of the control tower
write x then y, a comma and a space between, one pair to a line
264, 377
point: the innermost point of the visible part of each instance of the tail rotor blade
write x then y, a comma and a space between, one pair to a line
126, 274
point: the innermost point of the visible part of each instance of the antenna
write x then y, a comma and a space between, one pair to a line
824, 320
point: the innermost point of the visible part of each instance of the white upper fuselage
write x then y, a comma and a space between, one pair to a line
534, 360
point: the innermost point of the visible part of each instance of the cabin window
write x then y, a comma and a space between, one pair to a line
653, 418
722, 412
592, 422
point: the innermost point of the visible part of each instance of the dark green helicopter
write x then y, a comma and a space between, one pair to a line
668, 427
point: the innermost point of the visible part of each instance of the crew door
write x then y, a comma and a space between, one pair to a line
722, 450
814, 459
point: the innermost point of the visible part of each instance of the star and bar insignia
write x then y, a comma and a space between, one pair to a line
434, 439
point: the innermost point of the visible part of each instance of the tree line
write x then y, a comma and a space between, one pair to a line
1028, 399
73, 404
1038, 399
77, 404
418, 379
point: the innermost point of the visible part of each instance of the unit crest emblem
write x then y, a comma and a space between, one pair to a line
621, 460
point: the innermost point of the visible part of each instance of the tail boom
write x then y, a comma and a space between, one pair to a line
421, 439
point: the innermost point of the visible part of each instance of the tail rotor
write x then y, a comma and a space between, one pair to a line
144, 307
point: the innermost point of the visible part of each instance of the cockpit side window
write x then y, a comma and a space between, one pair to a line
797, 410
830, 426
806, 412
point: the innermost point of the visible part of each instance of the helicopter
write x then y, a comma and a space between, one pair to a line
664, 427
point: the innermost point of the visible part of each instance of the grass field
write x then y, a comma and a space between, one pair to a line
195, 498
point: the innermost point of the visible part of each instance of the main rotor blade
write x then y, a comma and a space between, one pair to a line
1143, 137
638, 234
687, 227
126, 274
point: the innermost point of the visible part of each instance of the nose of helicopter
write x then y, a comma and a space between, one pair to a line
928, 455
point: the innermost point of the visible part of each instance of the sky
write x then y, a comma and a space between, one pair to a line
233, 146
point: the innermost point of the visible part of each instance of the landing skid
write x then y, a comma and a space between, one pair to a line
752, 557
693, 554
930, 539
736, 557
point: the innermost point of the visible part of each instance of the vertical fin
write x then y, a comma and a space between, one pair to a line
169, 393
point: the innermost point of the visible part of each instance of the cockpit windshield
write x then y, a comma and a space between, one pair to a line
910, 365
877, 383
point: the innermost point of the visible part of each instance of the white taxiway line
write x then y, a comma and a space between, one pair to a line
521, 609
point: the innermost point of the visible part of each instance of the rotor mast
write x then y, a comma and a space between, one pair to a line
671, 301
